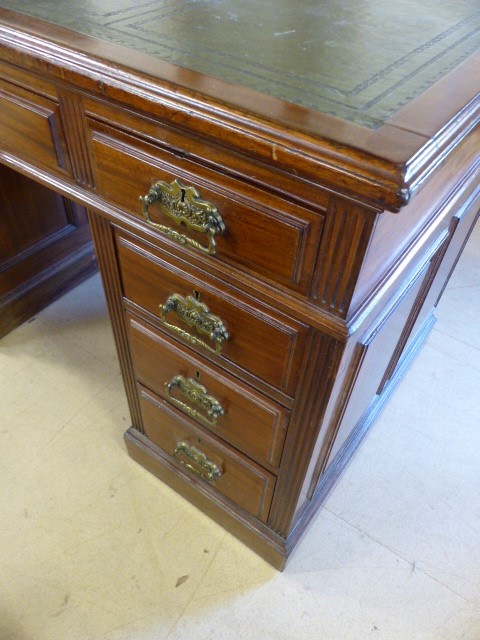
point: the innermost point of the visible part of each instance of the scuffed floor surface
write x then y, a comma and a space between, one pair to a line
93, 547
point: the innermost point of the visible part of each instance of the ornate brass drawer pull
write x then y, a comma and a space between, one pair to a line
201, 466
183, 204
196, 315
198, 395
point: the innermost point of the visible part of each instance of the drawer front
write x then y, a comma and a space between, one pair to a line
266, 345
30, 127
252, 230
247, 484
231, 410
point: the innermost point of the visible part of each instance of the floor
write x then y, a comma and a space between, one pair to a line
93, 547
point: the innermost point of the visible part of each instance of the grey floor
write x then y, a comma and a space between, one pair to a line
94, 547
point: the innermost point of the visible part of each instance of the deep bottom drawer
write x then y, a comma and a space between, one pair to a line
236, 477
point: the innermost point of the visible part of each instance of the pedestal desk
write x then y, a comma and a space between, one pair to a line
277, 194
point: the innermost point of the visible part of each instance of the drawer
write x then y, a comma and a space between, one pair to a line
237, 478
30, 127
192, 308
253, 231
237, 414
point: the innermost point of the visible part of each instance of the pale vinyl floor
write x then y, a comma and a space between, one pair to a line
94, 547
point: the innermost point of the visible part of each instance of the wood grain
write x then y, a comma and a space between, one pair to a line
326, 292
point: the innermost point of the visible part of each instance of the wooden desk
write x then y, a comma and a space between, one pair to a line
276, 202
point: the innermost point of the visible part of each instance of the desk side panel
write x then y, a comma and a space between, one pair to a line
379, 352
45, 248
399, 238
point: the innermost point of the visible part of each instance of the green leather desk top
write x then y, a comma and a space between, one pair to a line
360, 60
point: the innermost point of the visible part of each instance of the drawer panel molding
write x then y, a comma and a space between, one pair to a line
31, 128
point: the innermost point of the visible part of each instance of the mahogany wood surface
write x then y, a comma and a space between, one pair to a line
339, 239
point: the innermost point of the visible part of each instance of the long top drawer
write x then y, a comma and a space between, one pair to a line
186, 202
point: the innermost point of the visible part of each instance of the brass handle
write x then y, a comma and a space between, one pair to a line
196, 315
198, 395
204, 468
183, 204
